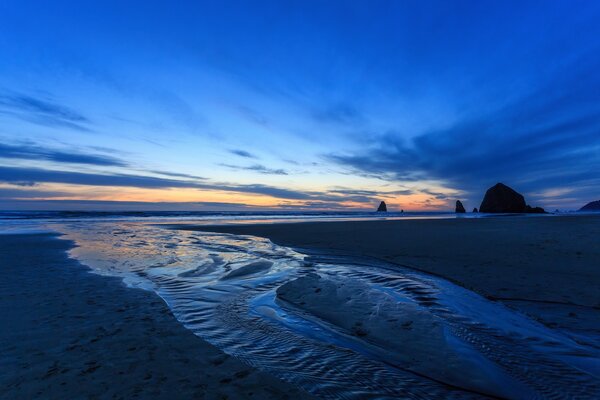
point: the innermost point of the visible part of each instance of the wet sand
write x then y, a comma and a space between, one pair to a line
546, 267
68, 333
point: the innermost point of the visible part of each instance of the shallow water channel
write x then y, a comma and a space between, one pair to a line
340, 327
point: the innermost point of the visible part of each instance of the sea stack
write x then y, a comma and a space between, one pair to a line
459, 208
502, 199
475, 210
591, 206
534, 210
382, 207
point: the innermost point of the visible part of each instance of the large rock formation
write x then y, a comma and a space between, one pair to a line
382, 207
459, 207
591, 206
502, 199
475, 210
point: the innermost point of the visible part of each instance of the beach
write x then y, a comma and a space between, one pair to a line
68, 333
546, 267
445, 308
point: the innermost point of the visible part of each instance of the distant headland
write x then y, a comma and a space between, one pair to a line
591, 206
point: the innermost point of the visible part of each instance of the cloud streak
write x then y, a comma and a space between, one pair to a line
242, 153
261, 169
177, 174
42, 111
14, 175
26, 203
340, 113
12, 193
30, 152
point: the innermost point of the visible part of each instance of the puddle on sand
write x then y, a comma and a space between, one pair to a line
404, 334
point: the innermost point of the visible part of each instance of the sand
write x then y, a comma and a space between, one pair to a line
547, 267
402, 332
68, 333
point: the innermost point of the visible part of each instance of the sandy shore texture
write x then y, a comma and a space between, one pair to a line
67, 333
547, 267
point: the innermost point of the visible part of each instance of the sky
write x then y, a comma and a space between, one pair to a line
297, 105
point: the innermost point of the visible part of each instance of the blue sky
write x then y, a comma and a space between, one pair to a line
297, 105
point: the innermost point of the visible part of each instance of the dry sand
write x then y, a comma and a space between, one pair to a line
547, 267
67, 333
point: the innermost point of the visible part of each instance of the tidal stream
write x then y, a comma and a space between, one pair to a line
340, 327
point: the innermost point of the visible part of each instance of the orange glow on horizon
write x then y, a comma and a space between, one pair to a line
57, 192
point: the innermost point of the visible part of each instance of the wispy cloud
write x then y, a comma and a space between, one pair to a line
346, 191
340, 113
24, 183
252, 115
257, 168
177, 174
28, 202
14, 175
242, 153
14, 193
32, 152
42, 111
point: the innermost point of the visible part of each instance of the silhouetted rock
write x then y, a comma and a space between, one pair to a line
382, 207
502, 199
459, 207
591, 206
475, 210
534, 210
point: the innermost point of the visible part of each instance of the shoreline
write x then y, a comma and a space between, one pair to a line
73, 333
543, 267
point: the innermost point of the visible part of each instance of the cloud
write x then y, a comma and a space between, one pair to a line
257, 168
242, 153
14, 175
137, 206
116, 206
31, 152
24, 183
324, 205
11, 175
269, 191
436, 195
550, 138
176, 174
341, 113
41, 111
252, 115
13, 193
346, 192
